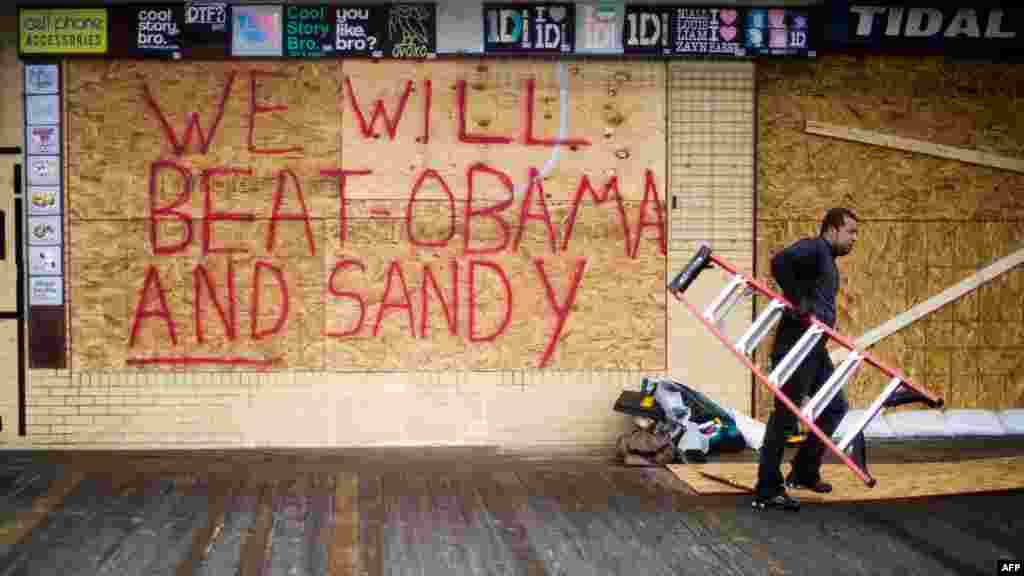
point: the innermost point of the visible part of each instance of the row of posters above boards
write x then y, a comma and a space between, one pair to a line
219, 29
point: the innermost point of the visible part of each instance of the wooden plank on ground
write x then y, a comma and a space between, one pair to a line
895, 481
685, 540
505, 501
345, 545
223, 554
256, 546
205, 536
159, 531
294, 543
372, 520
400, 555
583, 506
911, 145
26, 520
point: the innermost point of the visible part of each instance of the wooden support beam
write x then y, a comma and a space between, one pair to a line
911, 145
922, 309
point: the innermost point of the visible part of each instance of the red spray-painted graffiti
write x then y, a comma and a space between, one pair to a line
475, 259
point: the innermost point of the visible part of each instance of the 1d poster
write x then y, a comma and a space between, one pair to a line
647, 30
547, 28
599, 27
777, 32
709, 31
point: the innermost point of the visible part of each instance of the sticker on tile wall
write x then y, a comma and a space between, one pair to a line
46, 291
44, 170
42, 79
44, 230
44, 139
45, 261
43, 200
42, 109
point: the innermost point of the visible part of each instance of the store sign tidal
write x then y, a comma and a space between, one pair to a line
936, 28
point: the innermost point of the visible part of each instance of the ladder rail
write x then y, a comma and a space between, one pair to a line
759, 286
826, 441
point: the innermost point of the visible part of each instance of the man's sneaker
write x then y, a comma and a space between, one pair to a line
781, 501
816, 486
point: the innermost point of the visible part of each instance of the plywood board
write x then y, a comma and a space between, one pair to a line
895, 481
928, 222
229, 194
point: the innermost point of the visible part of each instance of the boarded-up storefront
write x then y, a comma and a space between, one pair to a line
929, 222
357, 252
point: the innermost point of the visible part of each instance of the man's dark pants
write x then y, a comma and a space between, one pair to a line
805, 381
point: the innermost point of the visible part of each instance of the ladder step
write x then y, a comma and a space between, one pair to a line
869, 414
761, 327
796, 356
839, 378
725, 300
734, 299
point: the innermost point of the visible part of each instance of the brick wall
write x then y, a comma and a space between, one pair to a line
123, 410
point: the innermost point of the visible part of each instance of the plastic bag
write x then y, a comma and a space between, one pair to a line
713, 427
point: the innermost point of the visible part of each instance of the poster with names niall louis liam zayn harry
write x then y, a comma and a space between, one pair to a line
711, 31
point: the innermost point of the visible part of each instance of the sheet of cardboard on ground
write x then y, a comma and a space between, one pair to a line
895, 481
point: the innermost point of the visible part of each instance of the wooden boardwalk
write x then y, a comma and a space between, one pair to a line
467, 511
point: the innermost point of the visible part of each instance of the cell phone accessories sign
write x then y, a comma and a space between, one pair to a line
62, 31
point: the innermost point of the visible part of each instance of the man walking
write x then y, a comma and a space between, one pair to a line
807, 274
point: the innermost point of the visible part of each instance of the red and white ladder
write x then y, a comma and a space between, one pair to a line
900, 389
